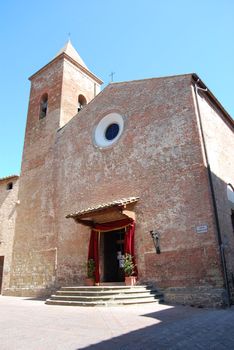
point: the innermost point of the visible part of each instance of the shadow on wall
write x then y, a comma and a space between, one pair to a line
225, 207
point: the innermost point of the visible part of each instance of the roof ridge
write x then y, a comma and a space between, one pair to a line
152, 78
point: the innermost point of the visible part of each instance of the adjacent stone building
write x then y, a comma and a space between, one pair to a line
8, 208
153, 154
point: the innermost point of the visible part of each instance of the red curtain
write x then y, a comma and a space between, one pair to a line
129, 243
94, 241
94, 252
129, 239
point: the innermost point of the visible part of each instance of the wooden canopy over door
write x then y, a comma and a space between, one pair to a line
108, 212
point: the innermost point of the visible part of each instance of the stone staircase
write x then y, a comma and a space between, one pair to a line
108, 295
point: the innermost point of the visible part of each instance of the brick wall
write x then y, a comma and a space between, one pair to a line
34, 258
159, 159
35, 252
75, 83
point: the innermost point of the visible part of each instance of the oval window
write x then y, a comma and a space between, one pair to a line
108, 130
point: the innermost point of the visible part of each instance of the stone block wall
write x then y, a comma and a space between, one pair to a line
8, 212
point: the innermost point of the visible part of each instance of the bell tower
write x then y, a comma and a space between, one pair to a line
66, 82
58, 92
79, 84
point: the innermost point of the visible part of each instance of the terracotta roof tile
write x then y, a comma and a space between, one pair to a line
8, 177
118, 203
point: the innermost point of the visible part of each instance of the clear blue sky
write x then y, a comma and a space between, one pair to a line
136, 39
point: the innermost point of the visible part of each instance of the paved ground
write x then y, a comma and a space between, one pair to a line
31, 325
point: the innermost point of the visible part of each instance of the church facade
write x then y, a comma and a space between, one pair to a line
148, 158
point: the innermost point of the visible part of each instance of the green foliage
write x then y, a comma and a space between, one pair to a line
129, 266
90, 268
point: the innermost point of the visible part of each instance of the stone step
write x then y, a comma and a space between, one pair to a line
104, 293
103, 303
103, 288
104, 298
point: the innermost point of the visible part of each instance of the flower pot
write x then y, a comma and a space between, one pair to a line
89, 282
130, 280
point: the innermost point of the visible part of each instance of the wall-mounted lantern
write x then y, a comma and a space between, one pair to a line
156, 239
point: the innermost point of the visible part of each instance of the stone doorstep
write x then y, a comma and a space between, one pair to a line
102, 303
104, 293
105, 288
110, 297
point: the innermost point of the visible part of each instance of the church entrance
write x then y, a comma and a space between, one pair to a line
112, 227
107, 245
112, 252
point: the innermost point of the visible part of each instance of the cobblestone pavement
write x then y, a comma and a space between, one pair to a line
31, 325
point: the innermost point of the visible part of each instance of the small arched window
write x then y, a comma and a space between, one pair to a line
43, 106
81, 102
9, 186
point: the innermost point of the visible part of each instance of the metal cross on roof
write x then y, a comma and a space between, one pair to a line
112, 75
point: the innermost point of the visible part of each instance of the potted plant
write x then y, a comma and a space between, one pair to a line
90, 280
129, 269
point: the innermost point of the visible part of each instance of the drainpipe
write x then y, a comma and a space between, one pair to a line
220, 243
